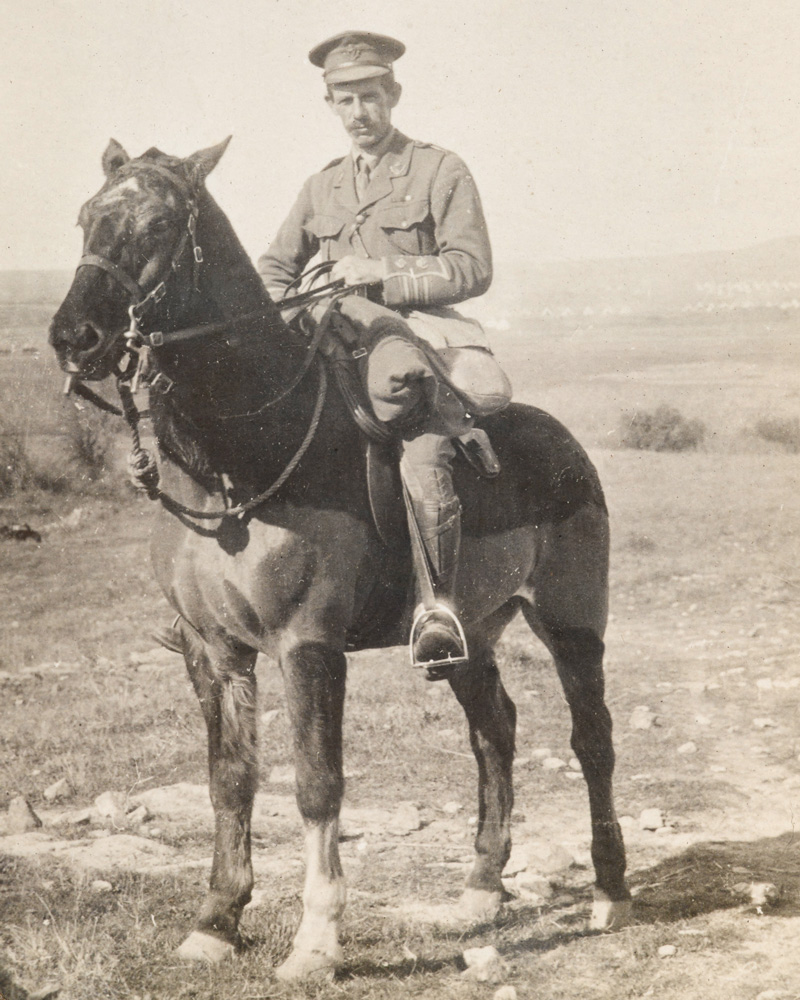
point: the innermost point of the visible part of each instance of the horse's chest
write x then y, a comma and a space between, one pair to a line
259, 578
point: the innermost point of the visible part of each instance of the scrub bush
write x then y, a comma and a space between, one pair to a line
780, 430
662, 429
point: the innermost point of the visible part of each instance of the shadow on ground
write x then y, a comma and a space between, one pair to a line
703, 878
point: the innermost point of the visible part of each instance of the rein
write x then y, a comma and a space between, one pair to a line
145, 471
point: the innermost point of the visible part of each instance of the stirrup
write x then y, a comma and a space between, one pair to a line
437, 666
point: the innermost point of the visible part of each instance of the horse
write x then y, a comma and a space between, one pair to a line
264, 541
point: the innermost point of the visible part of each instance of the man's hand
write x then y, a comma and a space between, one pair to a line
358, 270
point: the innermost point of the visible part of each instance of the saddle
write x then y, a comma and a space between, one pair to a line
344, 357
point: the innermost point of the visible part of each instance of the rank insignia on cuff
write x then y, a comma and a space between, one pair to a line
416, 267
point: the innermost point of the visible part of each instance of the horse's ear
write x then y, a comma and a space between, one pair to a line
199, 165
114, 158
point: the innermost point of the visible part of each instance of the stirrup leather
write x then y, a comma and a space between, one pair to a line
419, 621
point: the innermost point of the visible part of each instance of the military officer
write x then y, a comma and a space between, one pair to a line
405, 218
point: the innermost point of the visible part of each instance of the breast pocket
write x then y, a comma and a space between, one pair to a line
327, 229
406, 226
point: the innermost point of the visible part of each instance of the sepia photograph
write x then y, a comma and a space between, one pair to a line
399, 533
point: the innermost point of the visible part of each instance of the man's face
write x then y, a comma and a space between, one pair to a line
365, 108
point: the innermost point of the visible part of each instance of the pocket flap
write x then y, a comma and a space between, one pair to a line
326, 226
403, 214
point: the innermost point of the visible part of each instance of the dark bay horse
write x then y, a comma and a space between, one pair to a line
297, 576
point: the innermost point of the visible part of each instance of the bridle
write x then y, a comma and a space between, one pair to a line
142, 465
141, 300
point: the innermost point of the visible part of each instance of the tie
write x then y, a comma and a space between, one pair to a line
362, 178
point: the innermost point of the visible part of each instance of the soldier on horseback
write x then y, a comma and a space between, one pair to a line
404, 218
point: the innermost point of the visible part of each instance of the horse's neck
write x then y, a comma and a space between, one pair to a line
223, 375
252, 364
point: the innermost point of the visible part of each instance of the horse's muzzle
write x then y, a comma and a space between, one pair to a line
84, 349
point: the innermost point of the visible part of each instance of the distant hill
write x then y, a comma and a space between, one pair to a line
763, 276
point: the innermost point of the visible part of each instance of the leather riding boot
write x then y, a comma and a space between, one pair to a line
438, 639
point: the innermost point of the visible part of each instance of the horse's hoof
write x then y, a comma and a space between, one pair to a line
609, 914
479, 906
305, 964
200, 947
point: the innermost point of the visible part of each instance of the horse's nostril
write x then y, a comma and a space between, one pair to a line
87, 337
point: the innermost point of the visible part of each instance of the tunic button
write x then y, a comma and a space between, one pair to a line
360, 219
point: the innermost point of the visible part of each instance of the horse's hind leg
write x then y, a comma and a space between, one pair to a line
225, 684
492, 720
579, 659
568, 613
314, 675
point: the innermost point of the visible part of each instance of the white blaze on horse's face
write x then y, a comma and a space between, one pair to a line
134, 223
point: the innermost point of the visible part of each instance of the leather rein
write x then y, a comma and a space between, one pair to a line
138, 344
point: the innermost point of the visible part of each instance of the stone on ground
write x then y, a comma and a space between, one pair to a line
505, 993
641, 717
113, 806
21, 818
141, 814
549, 859
651, 819
406, 819
60, 789
77, 817
484, 965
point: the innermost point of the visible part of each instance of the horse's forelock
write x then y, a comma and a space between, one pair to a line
154, 153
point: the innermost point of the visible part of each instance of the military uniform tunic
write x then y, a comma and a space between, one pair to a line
420, 215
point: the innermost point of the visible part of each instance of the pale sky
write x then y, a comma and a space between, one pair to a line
594, 128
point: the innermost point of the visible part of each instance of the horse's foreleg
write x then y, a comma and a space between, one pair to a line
315, 684
492, 721
578, 654
226, 687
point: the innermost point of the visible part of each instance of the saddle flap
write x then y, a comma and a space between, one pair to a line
386, 495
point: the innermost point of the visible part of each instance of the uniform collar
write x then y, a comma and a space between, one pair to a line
395, 162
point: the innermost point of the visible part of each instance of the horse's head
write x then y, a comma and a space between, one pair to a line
139, 248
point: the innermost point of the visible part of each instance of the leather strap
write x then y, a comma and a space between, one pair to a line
94, 260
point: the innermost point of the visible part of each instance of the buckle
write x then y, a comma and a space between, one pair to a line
360, 352
198, 254
159, 292
162, 381
156, 339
